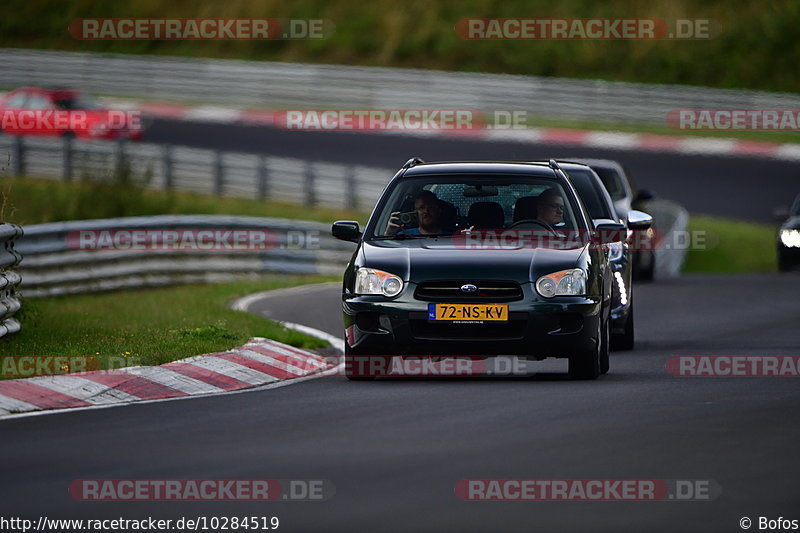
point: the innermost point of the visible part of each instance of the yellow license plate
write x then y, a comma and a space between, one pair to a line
468, 312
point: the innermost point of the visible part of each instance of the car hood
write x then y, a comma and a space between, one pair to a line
417, 260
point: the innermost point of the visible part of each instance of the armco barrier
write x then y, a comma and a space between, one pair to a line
56, 265
296, 85
281, 179
9, 279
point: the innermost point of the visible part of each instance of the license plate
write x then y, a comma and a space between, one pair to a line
468, 312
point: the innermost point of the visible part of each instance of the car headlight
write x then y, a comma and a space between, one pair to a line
615, 251
790, 238
372, 281
570, 282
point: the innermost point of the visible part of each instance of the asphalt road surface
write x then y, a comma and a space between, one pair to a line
739, 187
395, 449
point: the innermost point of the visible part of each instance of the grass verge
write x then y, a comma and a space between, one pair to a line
732, 246
151, 326
35, 201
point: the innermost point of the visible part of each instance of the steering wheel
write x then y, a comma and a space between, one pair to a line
529, 221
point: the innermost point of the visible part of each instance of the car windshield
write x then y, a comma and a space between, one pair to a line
613, 182
436, 206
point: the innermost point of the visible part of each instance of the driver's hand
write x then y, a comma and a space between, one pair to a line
393, 226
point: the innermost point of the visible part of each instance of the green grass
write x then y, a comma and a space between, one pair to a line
149, 327
756, 47
732, 246
36, 201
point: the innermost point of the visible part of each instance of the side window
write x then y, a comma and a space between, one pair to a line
17, 101
37, 101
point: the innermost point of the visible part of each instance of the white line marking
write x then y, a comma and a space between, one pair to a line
143, 371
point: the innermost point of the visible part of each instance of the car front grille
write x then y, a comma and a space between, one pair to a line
450, 291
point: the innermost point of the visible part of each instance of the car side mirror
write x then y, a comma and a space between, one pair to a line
639, 220
780, 213
346, 230
609, 231
644, 195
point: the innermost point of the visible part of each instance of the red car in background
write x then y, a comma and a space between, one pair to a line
64, 112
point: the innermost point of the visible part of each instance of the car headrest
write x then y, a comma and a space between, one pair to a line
448, 213
486, 215
525, 208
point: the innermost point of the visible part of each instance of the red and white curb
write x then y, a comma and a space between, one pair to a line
565, 137
259, 363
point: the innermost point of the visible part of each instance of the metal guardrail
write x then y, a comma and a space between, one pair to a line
290, 85
54, 265
9, 279
241, 175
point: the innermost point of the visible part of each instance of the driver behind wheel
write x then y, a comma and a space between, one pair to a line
550, 207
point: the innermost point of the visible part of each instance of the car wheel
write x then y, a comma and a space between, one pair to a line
783, 264
646, 271
586, 363
624, 340
605, 347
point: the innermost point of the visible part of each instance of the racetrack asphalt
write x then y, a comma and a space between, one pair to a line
741, 187
395, 449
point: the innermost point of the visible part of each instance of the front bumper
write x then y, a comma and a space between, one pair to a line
536, 327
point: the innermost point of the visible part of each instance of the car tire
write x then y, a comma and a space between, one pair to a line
646, 272
783, 263
624, 341
586, 364
605, 348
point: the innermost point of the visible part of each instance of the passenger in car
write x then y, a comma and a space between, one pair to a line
430, 215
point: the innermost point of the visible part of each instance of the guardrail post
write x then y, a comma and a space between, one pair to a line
19, 156
263, 178
311, 197
351, 189
167, 167
219, 173
66, 152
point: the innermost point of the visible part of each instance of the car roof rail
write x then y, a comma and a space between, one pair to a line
414, 161
554, 165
